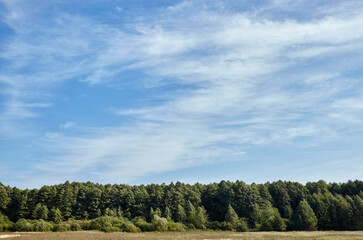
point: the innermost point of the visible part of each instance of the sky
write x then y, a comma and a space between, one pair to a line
139, 91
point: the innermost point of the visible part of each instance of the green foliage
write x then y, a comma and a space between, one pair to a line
231, 216
55, 215
42, 226
5, 223
175, 227
143, 225
226, 226
110, 213
159, 224
61, 227
304, 217
75, 227
40, 212
181, 215
357, 215
201, 218
271, 220
242, 226
220, 206
4, 198
23, 225
191, 213
130, 227
167, 213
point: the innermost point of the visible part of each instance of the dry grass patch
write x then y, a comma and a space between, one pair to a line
89, 235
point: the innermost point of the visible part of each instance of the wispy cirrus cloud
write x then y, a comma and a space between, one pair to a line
237, 80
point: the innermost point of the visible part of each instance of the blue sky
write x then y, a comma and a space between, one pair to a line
144, 91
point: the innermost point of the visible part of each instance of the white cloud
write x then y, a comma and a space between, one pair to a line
251, 85
67, 125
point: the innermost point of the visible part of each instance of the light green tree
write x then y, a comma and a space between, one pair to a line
231, 216
55, 215
40, 212
304, 217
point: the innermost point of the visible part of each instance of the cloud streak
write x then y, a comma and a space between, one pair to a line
239, 80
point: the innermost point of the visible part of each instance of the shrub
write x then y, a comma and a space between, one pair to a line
111, 229
23, 225
175, 227
130, 227
5, 223
42, 226
242, 226
75, 227
95, 225
59, 228
227, 226
62, 227
143, 225
117, 222
159, 223
191, 226
214, 225
85, 224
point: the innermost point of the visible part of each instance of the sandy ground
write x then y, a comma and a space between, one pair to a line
10, 236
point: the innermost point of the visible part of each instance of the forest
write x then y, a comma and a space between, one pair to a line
226, 206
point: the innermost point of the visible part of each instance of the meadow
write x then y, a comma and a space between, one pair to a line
91, 235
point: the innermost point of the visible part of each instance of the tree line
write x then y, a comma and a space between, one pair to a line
232, 206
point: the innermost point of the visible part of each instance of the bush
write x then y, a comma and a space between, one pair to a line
242, 226
111, 229
95, 225
42, 226
75, 227
117, 222
101, 223
5, 223
84, 224
62, 227
59, 228
214, 225
143, 225
23, 225
159, 223
226, 226
130, 227
175, 227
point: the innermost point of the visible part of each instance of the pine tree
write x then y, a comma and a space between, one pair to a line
231, 216
201, 218
271, 220
109, 212
191, 213
167, 213
357, 217
181, 216
4, 198
304, 217
55, 215
40, 212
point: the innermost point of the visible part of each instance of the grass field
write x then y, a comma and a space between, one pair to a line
185, 235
